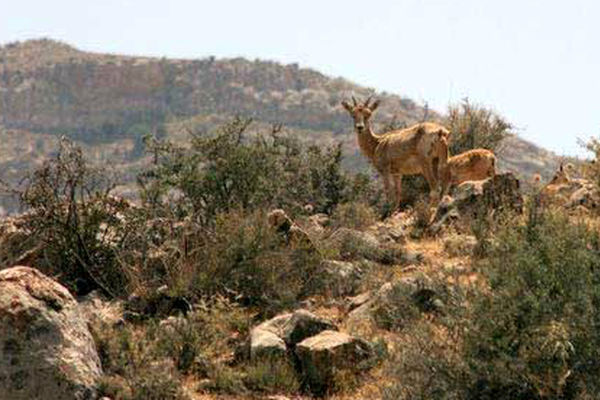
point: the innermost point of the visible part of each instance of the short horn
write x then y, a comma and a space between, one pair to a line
368, 101
354, 101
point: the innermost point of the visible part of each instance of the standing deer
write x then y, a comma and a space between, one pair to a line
421, 149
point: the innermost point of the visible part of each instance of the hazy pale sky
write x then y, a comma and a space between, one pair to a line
535, 62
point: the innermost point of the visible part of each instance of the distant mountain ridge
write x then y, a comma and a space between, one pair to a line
108, 102
50, 86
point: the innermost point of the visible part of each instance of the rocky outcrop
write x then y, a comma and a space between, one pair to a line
471, 198
362, 306
275, 336
341, 278
351, 244
418, 291
46, 349
313, 343
322, 355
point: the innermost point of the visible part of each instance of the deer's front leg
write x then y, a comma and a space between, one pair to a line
431, 181
387, 185
398, 185
446, 180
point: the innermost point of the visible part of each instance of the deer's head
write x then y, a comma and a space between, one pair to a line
561, 176
361, 113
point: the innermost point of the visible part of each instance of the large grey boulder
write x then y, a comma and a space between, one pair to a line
265, 339
320, 356
388, 231
362, 312
46, 349
275, 336
472, 198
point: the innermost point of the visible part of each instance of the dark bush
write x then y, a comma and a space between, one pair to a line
535, 332
75, 221
231, 169
247, 260
472, 126
531, 334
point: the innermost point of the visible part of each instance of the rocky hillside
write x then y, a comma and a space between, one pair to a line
51, 87
108, 102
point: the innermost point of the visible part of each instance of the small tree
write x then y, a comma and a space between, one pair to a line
230, 169
73, 217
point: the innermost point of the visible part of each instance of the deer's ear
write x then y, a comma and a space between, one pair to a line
375, 104
347, 106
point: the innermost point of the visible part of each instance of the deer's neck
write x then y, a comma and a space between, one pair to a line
368, 141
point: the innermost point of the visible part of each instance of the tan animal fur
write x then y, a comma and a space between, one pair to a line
472, 165
421, 149
558, 185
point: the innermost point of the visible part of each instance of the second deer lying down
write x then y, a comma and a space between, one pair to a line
472, 165
421, 149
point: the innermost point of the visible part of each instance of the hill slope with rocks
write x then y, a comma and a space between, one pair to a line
108, 102
259, 268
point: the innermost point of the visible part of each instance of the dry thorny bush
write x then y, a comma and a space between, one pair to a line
529, 333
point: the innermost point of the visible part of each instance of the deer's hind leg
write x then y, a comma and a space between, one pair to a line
387, 185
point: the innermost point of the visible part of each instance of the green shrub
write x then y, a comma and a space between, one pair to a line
202, 335
531, 333
225, 380
425, 365
481, 227
75, 220
354, 215
249, 261
535, 333
229, 169
148, 361
133, 367
271, 375
367, 189
474, 126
